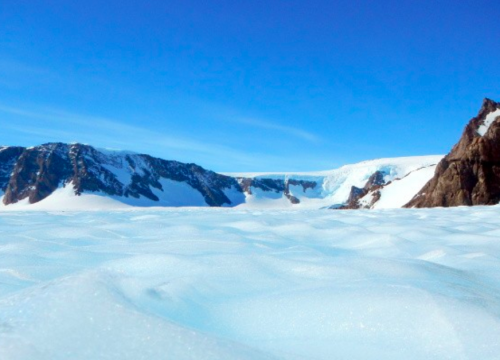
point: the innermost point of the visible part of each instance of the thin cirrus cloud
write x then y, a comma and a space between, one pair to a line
219, 112
100, 128
288, 130
15, 74
58, 125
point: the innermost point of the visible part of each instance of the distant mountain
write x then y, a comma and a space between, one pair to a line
470, 173
373, 184
77, 176
33, 174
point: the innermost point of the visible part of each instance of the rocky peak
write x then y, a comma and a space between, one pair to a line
470, 173
487, 107
375, 180
35, 173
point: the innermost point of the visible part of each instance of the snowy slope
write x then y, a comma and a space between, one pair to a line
174, 193
400, 192
483, 128
64, 171
119, 172
334, 186
244, 284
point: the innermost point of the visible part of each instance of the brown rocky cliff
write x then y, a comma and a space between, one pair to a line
470, 173
35, 173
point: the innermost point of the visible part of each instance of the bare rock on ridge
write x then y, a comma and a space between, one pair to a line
374, 182
470, 173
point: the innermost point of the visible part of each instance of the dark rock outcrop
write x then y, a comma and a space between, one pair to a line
373, 184
276, 185
34, 173
8, 159
470, 173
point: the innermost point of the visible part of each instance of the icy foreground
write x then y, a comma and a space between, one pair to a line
246, 284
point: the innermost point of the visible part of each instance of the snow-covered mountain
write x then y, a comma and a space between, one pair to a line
77, 176
400, 179
36, 174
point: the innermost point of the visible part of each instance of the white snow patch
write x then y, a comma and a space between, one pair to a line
235, 196
177, 193
64, 198
174, 194
115, 152
334, 186
400, 192
481, 130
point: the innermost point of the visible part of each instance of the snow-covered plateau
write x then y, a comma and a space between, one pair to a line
218, 283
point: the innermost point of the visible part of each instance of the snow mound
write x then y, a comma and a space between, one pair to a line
247, 284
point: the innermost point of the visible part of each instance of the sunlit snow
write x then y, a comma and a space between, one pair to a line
488, 121
335, 185
246, 284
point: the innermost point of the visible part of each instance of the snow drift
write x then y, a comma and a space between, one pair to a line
246, 284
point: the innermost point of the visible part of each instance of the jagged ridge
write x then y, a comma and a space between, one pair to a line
470, 173
35, 173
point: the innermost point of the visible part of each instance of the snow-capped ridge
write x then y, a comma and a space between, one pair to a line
51, 172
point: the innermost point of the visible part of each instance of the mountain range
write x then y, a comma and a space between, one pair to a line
79, 176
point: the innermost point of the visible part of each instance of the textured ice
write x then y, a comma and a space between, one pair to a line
247, 284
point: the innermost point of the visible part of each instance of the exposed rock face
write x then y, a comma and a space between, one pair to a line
355, 194
470, 173
275, 185
34, 173
8, 158
374, 183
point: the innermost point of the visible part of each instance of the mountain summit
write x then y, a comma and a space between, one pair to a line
470, 173
33, 174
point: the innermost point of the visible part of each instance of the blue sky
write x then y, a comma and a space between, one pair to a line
248, 85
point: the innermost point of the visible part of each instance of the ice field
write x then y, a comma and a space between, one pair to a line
245, 284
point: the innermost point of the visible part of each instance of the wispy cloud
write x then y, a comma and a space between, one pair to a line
289, 130
60, 125
17, 75
229, 114
99, 127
